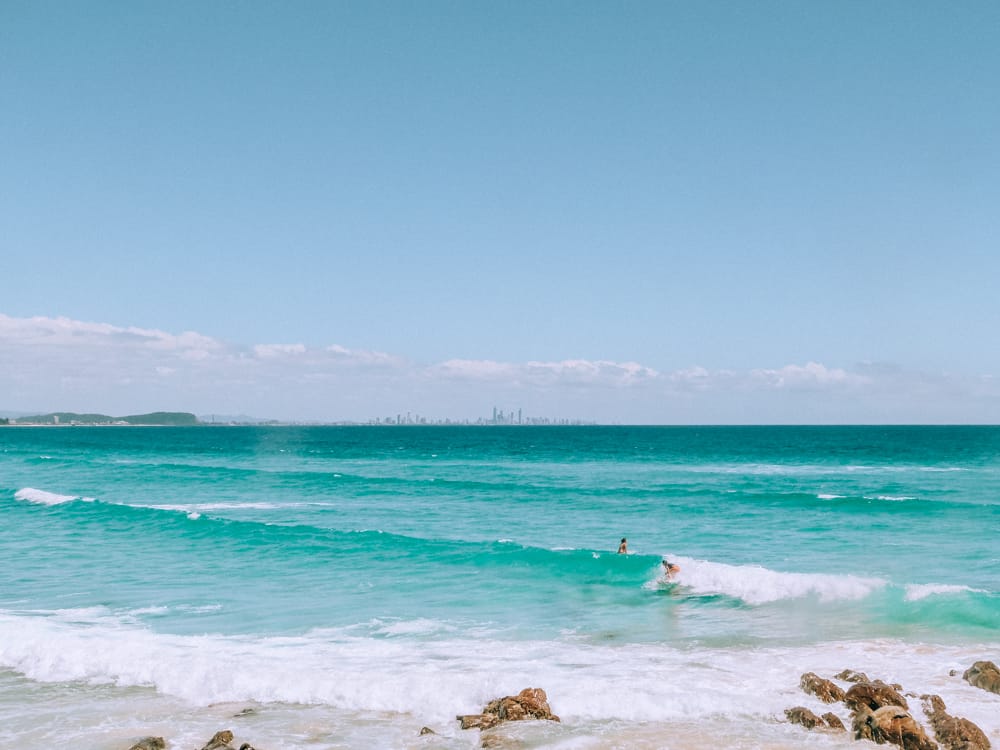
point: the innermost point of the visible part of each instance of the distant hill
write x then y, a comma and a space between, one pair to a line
157, 418
171, 418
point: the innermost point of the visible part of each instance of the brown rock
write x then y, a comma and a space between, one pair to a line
873, 695
530, 703
805, 717
891, 724
833, 721
428, 730
849, 675
149, 743
985, 675
802, 715
220, 741
825, 690
500, 742
861, 723
952, 732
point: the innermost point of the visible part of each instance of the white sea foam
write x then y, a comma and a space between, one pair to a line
41, 497
421, 626
916, 592
757, 585
145, 611
829, 497
439, 678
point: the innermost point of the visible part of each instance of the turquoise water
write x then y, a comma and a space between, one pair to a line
415, 573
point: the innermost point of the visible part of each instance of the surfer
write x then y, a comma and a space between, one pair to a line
670, 570
623, 547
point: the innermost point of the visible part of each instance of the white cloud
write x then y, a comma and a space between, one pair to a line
75, 334
277, 350
363, 356
810, 375
574, 372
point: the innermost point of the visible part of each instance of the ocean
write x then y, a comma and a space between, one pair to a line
343, 587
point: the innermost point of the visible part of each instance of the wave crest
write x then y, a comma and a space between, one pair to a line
41, 497
756, 585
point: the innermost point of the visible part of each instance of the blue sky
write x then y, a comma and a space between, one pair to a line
639, 212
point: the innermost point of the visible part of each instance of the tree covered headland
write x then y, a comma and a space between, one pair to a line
154, 419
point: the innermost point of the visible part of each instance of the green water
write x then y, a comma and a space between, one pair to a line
402, 544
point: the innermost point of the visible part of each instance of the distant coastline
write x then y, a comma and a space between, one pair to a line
187, 419
72, 419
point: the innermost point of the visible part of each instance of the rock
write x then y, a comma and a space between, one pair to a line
849, 675
530, 703
891, 724
825, 690
802, 715
985, 675
499, 742
833, 721
149, 743
953, 733
873, 695
805, 717
245, 712
247, 746
861, 723
428, 730
220, 741
476, 721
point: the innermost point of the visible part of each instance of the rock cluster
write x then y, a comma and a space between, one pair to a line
530, 703
953, 733
219, 741
880, 713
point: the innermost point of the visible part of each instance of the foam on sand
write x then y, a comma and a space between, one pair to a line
441, 678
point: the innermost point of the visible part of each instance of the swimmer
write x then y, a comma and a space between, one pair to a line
670, 570
623, 547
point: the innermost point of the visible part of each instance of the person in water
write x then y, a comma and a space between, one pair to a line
670, 570
623, 547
